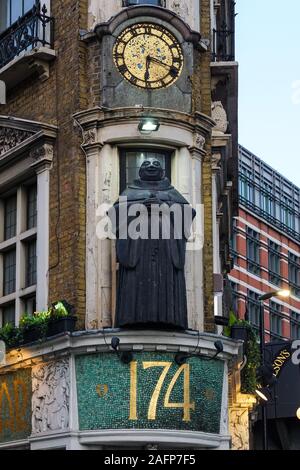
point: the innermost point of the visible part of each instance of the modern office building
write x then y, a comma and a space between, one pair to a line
266, 247
81, 78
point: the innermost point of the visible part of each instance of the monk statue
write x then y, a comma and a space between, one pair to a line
152, 222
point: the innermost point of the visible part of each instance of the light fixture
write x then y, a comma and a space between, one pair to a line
148, 125
298, 413
260, 392
277, 293
125, 356
181, 358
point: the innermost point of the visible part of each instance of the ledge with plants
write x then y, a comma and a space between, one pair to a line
243, 330
59, 318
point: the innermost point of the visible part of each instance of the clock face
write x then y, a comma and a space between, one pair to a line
148, 56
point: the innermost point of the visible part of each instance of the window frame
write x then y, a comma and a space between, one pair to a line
122, 162
19, 244
253, 244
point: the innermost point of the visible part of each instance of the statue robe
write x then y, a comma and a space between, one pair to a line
151, 289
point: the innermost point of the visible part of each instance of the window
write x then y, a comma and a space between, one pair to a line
253, 258
294, 274
127, 3
253, 309
295, 325
31, 207
9, 272
31, 264
275, 321
18, 254
132, 159
10, 217
11, 10
8, 314
274, 263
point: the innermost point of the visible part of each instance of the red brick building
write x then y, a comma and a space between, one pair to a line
266, 247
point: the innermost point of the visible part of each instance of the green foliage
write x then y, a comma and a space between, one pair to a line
248, 374
252, 353
13, 336
10, 335
58, 311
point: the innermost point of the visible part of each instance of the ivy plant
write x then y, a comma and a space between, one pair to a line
252, 353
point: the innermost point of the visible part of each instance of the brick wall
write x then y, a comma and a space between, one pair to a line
55, 101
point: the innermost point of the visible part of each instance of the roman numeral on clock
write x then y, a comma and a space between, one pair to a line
122, 68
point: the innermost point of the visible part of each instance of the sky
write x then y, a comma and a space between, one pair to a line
268, 52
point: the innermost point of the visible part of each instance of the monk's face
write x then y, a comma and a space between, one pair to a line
151, 170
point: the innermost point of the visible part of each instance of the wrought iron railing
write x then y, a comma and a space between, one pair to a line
29, 31
223, 44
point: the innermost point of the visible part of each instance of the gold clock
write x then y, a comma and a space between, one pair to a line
148, 56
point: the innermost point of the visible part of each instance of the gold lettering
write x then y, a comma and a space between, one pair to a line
186, 405
9, 422
154, 399
133, 391
20, 392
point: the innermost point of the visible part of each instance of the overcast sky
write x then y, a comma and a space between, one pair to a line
268, 51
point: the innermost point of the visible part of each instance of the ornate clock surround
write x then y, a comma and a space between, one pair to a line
116, 91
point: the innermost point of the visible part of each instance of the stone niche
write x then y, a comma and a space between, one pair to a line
117, 92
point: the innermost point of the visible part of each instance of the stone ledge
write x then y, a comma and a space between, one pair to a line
28, 63
99, 340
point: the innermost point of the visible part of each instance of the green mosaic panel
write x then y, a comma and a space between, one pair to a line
147, 394
15, 405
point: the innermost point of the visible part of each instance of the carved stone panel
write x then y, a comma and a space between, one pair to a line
239, 428
51, 397
219, 115
11, 138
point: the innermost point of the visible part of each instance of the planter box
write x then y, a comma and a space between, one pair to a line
239, 332
31, 335
61, 325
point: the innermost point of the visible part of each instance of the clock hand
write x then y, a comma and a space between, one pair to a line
160, 62
147, 68
173, 70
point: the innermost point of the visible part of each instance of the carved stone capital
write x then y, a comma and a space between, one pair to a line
42, 156
11, 138
51, 397
89, 137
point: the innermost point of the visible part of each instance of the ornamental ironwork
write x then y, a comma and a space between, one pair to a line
33, 29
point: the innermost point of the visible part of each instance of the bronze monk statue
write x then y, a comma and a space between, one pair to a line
151, 291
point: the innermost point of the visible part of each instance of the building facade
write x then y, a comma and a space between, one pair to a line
266, 248
79, 83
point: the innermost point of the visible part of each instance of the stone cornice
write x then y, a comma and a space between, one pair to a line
99, 117
92, 341
19, 137
147, 12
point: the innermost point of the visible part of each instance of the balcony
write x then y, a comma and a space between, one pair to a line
26, 46
223, 47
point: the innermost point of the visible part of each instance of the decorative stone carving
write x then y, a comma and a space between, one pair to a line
10, 138
89, 137
239, 427
199, 141
219, 115
180, 8
42, 153
50, 397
